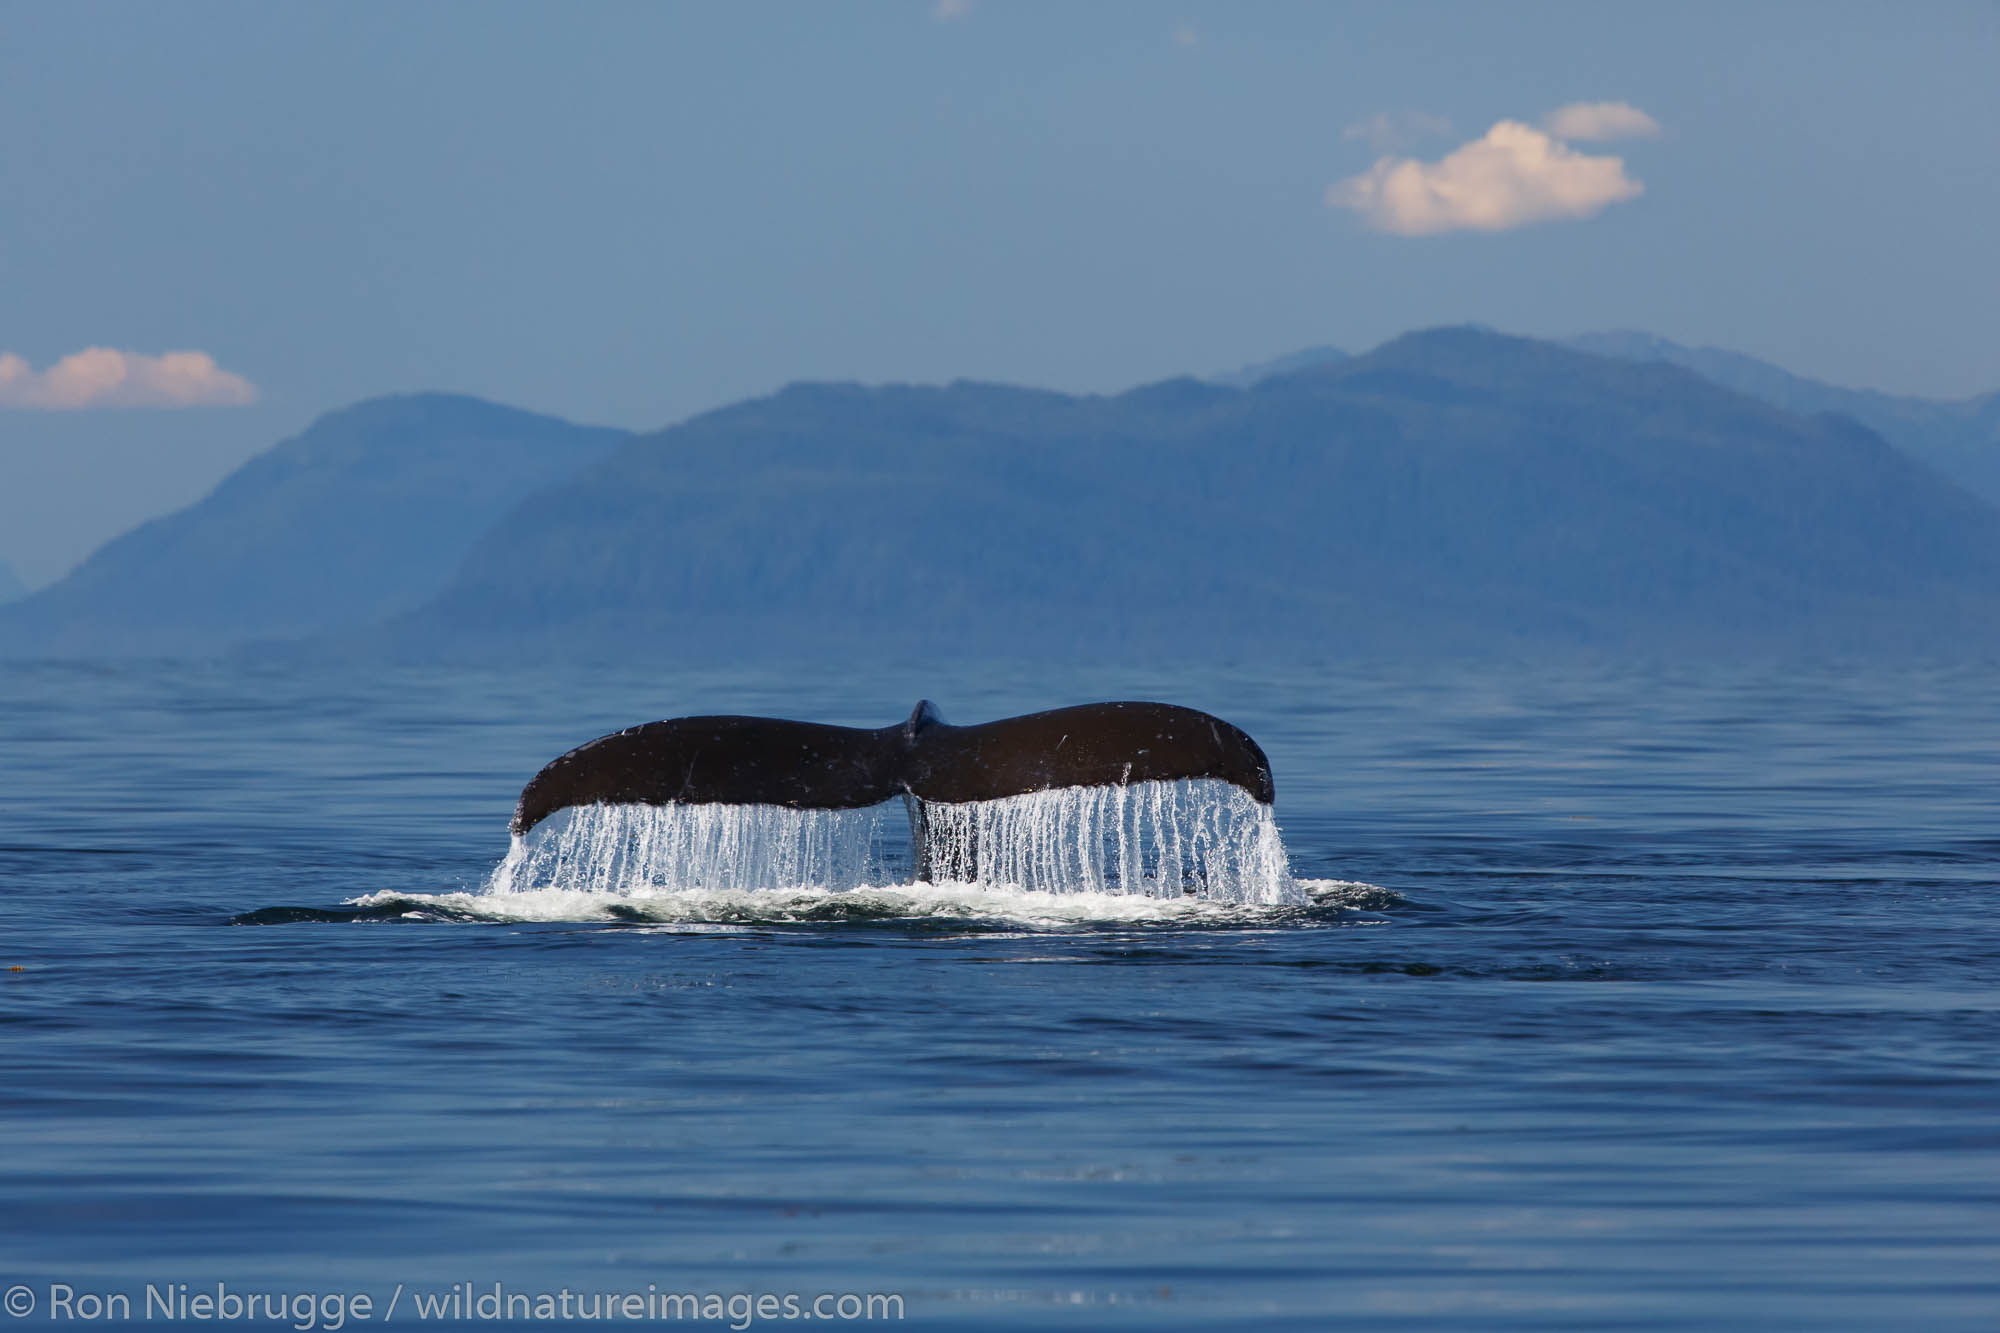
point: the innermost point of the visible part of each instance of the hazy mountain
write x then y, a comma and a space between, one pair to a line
1453, 491
1250, 376
1960, 439
366, 513
11, 587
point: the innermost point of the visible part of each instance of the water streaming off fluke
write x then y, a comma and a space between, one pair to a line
641, 849
1162, 839
1198, 838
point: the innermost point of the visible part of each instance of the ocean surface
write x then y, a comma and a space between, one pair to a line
1608, 998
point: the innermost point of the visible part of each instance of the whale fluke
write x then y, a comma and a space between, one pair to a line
811, 766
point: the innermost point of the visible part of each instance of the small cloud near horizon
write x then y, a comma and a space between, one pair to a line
1598, 122
105, 377
946, 11
1387, 130
1511, 176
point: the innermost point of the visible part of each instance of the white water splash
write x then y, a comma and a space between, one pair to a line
984, 909
1205, 840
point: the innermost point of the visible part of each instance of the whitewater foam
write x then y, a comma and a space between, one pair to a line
969, 906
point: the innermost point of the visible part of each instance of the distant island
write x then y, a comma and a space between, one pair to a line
1454, 492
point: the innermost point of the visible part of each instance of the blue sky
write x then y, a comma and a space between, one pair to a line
627, 213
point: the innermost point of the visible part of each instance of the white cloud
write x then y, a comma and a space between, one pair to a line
1512, 176
1595, 122
1388, 130
947, 10
104, 377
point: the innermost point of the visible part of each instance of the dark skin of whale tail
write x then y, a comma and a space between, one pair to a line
811, 766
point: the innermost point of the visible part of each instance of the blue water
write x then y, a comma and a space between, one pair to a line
1625, 999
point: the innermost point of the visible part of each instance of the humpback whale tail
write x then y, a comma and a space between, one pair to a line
1126, 798
733, 760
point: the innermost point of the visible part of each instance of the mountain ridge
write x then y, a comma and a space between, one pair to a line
1447, 463
1453, 491
1958, 437
364, 512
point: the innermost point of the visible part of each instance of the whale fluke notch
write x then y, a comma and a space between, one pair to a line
812, 766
